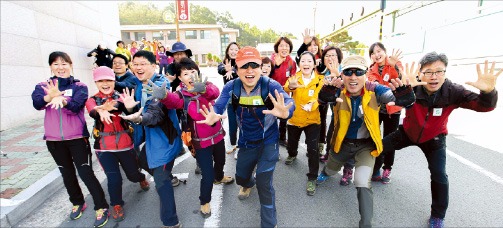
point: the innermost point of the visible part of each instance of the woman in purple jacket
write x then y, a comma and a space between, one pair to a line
63, 98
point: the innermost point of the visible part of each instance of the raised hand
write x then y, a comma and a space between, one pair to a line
52, 89
57, 102
108, 106
211, 117
280, 109
128, 98
228, 66
403, 92
486, 80
135, 117
395, 57
105, 116
228, 75
412, 75
293, 83
156, 92
333, 66
199, 86
307, 37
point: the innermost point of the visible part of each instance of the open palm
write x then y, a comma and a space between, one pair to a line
280, 109
486, 79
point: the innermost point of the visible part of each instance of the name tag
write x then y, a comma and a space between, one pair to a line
437, 111
311, 92
386, 78
257, 101
288, 74
68, 93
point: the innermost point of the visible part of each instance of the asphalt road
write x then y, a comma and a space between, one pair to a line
473, 165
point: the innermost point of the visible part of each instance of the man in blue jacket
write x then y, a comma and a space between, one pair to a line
158, 127
257, 116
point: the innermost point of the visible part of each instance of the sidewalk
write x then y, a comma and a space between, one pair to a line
28, 174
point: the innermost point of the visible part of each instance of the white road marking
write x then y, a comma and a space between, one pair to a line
476, 167
217, 196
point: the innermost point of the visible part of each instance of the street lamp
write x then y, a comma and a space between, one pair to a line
163, 36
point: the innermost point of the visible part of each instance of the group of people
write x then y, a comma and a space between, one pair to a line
144, 117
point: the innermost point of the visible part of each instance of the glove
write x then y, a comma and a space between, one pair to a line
404, 96
199, 86
156, 92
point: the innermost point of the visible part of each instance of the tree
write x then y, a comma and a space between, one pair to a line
343, 41
131, 13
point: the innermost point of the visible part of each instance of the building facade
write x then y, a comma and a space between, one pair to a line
201, 39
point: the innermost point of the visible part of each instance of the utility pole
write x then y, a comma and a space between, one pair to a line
314, 18
176, 22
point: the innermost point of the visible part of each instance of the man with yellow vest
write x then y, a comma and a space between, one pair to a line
357, 131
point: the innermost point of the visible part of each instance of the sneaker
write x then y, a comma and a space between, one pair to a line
198, 169
179, 225
225, 180
436, 222
289, 160
322, 178
175, 182
101, 217
283, 142
206, 210
347, 176
385, 176
321, 148
145, 186
77, 211
376, 176
244, 193
311, 187
118, 213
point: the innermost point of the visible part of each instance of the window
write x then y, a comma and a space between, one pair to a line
203, 58
125, 36
224, 41
139, 35
157, 36
191, 34
205, 34
196, 59
171, 35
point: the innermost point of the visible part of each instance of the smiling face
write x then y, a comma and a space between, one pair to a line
119, 66
266, 69
379, 55
354, 84
186, 77
283, 49
306, 64
179, 55
249, 75
61, 68
233, 51
105, 86
143, 69
434, 82
313, 48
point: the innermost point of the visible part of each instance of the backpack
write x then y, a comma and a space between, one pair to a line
264, 93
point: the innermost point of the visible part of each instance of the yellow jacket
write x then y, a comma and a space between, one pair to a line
302, 96
342, 120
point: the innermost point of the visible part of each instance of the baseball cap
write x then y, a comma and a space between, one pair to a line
103, 73
354, 61
246, 55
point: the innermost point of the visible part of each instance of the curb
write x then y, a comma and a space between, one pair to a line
24, 203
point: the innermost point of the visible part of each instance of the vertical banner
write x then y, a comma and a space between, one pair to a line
182, 10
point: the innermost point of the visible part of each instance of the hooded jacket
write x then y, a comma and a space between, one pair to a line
302, 96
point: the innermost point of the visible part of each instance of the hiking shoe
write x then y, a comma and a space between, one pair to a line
198, 169
376, 176
225, 180
322, 178
283, 142
77, 211
347, 176
175, 182
385, 176
145, 186
118, 213
244, 193
179, 225
311, 187
321, 148
206, 210
289, 160
436, 222
101, 217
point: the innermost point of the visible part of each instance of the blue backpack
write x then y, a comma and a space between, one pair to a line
264, 93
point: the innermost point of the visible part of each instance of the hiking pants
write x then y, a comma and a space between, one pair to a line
233, 123
350, 164
323, 126
359, 149
210, 172
76, 153
312, 133
162, 179
264, 157
390, 125
110, 163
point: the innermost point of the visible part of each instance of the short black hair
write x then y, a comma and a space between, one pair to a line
184, 64
288, 41
59, 54
118, 42
371, 48
146, 54
122, 57
337, 50
433, 57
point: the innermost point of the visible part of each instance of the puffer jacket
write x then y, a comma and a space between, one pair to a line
65, 123
302, 96
282, 72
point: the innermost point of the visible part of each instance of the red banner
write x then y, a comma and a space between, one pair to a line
182, 10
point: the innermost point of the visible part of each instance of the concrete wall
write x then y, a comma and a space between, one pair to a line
31, 30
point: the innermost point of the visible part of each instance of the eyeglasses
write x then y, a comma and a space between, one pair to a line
250, 64
437, 73
118, 63
357, 72
330, 56
141, 64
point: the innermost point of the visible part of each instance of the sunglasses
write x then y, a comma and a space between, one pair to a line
357, 72
250, 64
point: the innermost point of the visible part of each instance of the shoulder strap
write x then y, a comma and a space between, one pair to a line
264, 93
236, 93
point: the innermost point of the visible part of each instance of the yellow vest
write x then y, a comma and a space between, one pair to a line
302, 96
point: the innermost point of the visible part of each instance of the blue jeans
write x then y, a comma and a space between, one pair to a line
264, 157
233, 124
434, 150
205, 157
162, 179
110, 163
